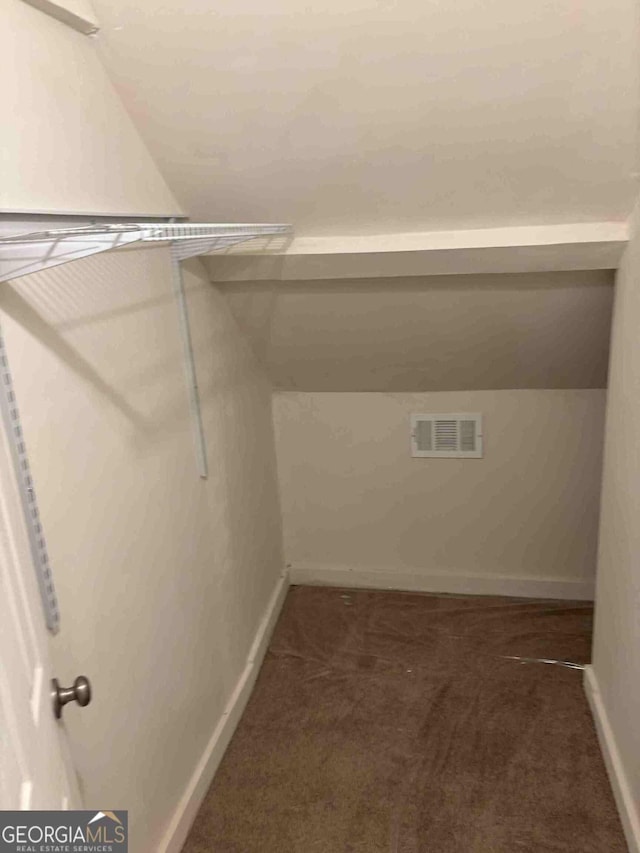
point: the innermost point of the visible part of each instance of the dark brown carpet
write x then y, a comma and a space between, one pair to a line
392, 722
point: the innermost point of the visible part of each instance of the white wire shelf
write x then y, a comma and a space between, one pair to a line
22, 254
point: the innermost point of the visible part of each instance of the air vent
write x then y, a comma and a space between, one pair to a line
446, 436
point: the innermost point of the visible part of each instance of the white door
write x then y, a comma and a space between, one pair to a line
35, 766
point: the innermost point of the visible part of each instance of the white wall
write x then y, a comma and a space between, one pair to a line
68, 144
162, 577
616, 650
358, 509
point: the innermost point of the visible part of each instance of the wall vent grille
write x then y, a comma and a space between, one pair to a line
446, 436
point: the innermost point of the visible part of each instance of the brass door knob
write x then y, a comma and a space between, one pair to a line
79, 692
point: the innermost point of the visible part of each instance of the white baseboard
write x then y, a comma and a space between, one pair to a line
202, 777
629, 811
312, 574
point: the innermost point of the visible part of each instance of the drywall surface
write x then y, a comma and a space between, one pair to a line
616, 650
354, 116
162, 577
68, 143
354, 499
436, 333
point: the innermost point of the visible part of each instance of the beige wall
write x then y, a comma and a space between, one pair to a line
431, 333
616, 651
67, 142
162, 577
358, 508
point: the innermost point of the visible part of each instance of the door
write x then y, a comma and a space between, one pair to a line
35, 766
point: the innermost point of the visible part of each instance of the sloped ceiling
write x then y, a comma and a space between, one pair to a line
439, 333
372, 116
379, 118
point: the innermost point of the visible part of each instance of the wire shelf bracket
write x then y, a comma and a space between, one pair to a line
12, 425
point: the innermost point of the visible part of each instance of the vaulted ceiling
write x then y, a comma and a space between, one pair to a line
373, 116
370, 125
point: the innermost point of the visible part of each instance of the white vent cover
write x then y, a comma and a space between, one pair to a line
446, 436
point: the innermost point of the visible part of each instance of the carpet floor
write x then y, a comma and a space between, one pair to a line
387, 722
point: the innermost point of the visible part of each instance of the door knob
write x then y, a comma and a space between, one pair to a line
79, 692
